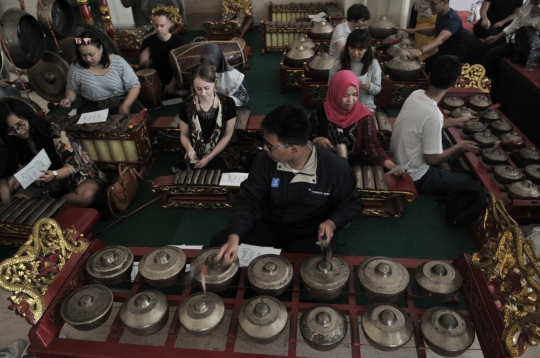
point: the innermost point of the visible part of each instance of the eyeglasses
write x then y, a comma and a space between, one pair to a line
19, 127
272, 147
433, 4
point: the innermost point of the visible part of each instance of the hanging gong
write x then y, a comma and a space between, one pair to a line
23, 37
59, 15
48, 77
142, 10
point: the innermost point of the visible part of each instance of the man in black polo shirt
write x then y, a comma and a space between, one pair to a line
448, 32
297, 193
156, 50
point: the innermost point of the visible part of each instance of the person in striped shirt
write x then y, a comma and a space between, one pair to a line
357, 18
103, 80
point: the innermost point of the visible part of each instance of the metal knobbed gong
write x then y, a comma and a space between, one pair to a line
323, 327
218, 276
87, 307
438, 280
202, 313
110, 265
263, 318
23, 38
145, 313
57, 13
386, 326
446, 331
48, 77
383, 279
270, 274
163, 266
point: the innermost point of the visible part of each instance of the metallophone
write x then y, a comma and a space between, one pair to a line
121, 139
17, 218
523, 211
45, 341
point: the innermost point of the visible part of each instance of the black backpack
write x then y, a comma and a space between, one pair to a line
466, 203
523, 39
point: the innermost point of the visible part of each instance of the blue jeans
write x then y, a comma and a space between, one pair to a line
9, 91
440, 182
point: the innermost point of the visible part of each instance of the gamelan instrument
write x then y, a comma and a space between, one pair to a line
260, 318
120, 139
23, 37
505, 153
18, 216
185, 57
150, 94
382, 28
48, 77
59, 15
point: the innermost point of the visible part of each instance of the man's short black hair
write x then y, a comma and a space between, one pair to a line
358, 11
444, 72
289, 123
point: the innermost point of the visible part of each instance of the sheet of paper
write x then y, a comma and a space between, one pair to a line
400, 169
72, 112
246, 253
31, 171
94, 117
232, 179
321, 16
189, 247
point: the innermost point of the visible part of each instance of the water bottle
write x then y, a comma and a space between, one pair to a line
534, 55
470, 16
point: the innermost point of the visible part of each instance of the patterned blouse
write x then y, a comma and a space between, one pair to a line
361, 142
72, 155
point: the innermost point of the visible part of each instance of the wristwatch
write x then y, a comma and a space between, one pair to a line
55, 174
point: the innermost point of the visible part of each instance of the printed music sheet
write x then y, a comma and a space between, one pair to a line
232, 179
94, 117
32, 170
246, 253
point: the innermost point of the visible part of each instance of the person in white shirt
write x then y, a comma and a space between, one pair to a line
357, 17
416, 136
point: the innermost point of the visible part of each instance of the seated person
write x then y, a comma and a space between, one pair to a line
529, 15
416, 136
358, 58
357, 17
73, 176
207, 121
6, 89
495, 16
448, 33
342, 119
296, 192
103, 80
155, 52
230, 81
422, 18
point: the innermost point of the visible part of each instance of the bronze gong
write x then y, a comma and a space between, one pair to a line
48, 77
60, 16
23, 37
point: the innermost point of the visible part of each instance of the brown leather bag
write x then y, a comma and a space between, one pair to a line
121, 193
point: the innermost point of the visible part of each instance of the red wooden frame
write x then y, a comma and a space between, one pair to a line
44, 341
523, 211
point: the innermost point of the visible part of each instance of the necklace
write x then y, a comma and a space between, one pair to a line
205, 115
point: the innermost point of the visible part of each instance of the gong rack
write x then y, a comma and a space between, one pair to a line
45, 341
523, 211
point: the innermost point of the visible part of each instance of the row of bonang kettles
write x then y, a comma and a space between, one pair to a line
264, 317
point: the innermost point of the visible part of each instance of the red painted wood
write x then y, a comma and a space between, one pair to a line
44, 341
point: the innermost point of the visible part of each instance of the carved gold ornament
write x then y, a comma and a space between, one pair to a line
474, 77
174, 13
30, 272
235, 7
511, 265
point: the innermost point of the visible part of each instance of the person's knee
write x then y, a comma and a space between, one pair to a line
86, 197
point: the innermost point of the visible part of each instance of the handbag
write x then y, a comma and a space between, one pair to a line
121, 193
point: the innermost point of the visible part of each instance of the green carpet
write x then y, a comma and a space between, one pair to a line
421, 233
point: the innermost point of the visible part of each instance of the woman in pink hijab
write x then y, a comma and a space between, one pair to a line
342, 119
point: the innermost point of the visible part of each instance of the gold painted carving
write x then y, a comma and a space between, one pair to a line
15, 229
368, 194
511, 265
197, 205
30, 272
219, 28
174, 13
401, 92
293, 78
192, 189
317, 93
474, 77
127, 39
235, 7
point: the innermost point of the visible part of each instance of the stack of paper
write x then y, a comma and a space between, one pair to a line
246, 253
